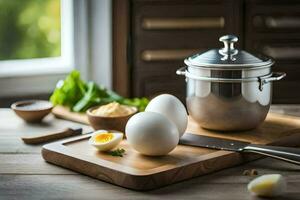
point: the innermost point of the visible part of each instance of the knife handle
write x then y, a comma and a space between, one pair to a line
49, 136
288, 154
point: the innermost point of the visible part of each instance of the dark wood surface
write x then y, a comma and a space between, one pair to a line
24, 174
121, 42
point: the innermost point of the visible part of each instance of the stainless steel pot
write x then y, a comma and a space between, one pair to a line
229, 89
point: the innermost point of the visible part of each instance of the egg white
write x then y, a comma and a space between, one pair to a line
276, 185
151, 134
106, 146
172, 108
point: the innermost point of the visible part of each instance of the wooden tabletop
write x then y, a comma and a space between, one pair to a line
25, 175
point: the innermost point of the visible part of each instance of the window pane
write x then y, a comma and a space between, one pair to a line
29, 29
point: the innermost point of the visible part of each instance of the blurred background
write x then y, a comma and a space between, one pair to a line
135, 46
41, 41
30, 29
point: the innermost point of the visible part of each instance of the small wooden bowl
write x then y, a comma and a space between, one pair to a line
32, 111
108, 123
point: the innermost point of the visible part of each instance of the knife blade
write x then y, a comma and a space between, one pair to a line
287, 154
48, 137
212, 142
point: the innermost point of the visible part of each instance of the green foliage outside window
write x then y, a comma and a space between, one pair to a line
29, 29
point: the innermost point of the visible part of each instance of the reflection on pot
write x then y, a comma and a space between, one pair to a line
228, 106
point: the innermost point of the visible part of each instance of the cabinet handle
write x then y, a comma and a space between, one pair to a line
276, 22
282, 52
183, 23
167, 55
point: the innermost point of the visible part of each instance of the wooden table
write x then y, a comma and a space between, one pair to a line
25, 175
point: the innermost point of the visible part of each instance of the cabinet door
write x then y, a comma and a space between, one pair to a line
273, 28
163, 33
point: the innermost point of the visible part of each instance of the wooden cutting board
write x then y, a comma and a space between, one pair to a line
64, 113
139, 172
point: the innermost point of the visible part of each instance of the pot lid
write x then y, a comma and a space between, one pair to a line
228, 57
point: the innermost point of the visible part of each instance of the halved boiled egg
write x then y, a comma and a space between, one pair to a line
105, 140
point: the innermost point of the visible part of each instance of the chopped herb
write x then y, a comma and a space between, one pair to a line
117, 152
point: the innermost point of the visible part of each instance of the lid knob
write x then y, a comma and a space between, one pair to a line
228, 51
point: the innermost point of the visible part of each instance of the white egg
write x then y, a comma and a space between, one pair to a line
151, 134
172, 108
105, 140
270, 185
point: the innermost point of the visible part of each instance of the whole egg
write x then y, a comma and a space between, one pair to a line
172, 108
151, 133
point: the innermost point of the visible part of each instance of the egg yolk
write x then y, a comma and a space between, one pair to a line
104, 137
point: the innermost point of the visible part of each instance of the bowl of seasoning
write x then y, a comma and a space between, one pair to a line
32, 111
112, 116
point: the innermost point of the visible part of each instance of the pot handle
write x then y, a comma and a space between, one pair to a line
181, 71
276, 76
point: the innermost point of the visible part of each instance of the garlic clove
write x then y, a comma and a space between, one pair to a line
270, 185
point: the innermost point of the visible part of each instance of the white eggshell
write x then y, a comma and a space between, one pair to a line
270, 185
172, 108
151, 134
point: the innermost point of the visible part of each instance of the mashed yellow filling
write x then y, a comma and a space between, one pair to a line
113, 109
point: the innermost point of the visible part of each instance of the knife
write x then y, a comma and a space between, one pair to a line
47, 137
287, 154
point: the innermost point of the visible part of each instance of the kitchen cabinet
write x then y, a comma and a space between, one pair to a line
158, 34
273, 28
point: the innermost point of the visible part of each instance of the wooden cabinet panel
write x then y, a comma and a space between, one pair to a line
286, 92
273, 28
157, 82
166, 32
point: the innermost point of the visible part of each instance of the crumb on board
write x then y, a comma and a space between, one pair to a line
250, 172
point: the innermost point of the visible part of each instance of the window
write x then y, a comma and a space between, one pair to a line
36, 45
46, 39
32, 29
36, 37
